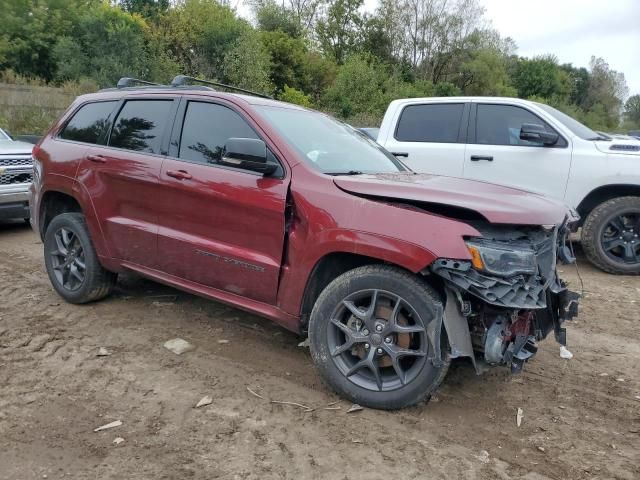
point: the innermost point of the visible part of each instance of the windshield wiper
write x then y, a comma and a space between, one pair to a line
600, 138
350, 172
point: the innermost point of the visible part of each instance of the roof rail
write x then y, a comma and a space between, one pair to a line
125, 82
181, 80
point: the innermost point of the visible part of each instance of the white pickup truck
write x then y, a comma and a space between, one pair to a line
16, 171
533, 147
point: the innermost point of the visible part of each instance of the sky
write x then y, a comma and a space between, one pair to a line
573, 30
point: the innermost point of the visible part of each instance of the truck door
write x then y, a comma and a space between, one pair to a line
430, 137
495, 153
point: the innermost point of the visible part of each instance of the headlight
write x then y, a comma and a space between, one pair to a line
501, 260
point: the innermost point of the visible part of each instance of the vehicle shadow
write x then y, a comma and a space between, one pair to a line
18, 225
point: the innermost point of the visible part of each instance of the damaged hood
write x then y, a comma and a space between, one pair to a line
496, 203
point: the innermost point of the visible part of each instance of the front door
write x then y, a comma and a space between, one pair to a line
496, 154
220, 227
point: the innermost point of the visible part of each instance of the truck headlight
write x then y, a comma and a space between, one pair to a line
500, 259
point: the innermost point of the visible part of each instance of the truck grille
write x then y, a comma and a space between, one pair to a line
15, 162
15, 170
11, 178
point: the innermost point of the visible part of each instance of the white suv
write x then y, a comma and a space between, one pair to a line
534, 147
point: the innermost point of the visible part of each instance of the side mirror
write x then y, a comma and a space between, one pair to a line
248, 154
533, 132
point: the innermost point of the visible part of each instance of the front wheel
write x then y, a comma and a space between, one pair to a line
611, 236
369, 337
72, 263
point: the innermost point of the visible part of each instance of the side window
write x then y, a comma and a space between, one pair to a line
140, 125
206, 128
436, 123
89, 122
500, 125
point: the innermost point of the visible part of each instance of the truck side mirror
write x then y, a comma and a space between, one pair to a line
532, 132
247, 154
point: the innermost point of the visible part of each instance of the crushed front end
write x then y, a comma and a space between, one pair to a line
508, 296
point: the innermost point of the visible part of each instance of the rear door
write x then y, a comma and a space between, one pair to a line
122, 177
220, 227
430, 137
496, 153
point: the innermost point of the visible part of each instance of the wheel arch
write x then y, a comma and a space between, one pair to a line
334, 264
603, 194
52, 204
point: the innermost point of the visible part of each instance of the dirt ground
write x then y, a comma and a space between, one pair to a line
581, 416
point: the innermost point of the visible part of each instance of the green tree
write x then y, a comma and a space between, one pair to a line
541, 76
288, 57
246, 64
632, 109
105, 44
485, 73
357, 89
339, 30
607, 88
446, 89
150, 9
292, 95
28, 30
273, 17
199, 33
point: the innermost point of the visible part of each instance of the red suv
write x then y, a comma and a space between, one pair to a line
287, 213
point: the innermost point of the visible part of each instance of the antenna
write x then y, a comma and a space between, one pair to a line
125, 82
182, 80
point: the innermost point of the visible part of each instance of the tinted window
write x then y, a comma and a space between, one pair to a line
89, 122
206, 129
500, 125
140, 125
437, 123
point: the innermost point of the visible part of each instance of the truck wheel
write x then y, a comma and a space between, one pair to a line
72, 263
611, 236
368, 337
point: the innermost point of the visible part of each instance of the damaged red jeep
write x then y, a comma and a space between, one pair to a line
294, 216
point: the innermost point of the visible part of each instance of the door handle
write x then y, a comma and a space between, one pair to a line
400, 154
477, 158
179, 174
96, 158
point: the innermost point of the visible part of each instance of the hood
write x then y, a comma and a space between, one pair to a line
12, 147
495, 203
619, 146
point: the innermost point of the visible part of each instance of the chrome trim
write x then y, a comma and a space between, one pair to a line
15, 197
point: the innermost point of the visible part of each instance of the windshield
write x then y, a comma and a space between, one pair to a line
3, 135
572, 124
330, 146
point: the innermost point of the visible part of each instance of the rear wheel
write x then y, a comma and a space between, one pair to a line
611, 236
72, 263
369, 341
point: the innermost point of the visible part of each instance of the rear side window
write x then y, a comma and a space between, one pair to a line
140, 125
88, 123
206, 129
500, 125
436, 123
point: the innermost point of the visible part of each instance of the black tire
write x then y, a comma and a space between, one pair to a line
64, 261
611, 236
419, 304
